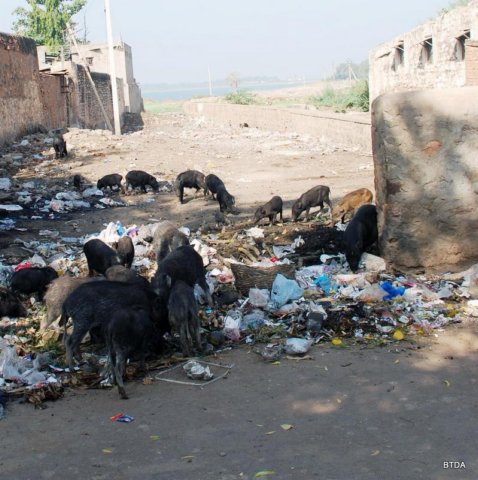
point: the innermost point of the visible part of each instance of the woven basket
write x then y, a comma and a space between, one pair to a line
258, 277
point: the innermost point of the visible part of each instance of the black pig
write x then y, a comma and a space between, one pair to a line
78, 181
120, 273
314, 197
100, 256
225, 199
361, 233
184, 264
31, 280
10, 304
139, 178
213, 182
125, 248
129, 331
59, 145
189, 179
111, 180
183, 316
270, 209
91, 305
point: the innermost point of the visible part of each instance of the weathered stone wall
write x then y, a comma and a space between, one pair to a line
426, 177
29, 101
391, 71
350, 131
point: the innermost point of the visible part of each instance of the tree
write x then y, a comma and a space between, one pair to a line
342, 71
453, 4
45, 20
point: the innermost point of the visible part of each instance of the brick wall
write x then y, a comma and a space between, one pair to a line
29, 101
86, 111
471, 61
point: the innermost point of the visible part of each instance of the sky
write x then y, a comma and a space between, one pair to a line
175, 41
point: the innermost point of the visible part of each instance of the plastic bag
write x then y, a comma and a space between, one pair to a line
11, 365
391, 290
374, 293
297, 346
259, 297
253, 320
232, 325
284, 290
324, 283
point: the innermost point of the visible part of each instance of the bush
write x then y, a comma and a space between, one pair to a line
241, 97
355, 98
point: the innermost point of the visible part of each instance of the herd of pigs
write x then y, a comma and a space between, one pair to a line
117, 306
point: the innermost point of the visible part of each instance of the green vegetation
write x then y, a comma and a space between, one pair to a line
45, 21
354, 98
241, 97
152, 106
453, 4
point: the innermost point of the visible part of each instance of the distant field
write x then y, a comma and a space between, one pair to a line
153, 106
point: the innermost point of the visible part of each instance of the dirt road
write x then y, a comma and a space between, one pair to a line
356, 412
376, 413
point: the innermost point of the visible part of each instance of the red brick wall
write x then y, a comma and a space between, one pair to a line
471, 60
29, 101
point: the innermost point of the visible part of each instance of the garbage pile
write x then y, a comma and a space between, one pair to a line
264, 297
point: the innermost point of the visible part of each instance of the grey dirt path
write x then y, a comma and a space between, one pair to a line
373, 413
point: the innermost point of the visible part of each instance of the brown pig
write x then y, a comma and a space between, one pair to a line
351, 202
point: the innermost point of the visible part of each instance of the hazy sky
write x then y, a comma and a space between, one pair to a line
176, 40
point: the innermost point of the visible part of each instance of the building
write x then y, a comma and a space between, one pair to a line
96, 56
441, 53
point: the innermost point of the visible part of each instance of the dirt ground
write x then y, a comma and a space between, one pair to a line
356, 412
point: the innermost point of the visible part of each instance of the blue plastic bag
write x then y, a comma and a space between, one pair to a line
392, 291
284, 290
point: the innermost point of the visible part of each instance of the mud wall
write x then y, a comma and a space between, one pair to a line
426, 177
349, 131
29, 101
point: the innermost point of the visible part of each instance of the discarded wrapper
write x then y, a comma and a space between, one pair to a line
121, 417
197, 371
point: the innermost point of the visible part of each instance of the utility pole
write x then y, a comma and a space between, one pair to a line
210, 83
114, 87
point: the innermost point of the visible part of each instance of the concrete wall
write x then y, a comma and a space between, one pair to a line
426, 177
29, 101
350, 131
447, 67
